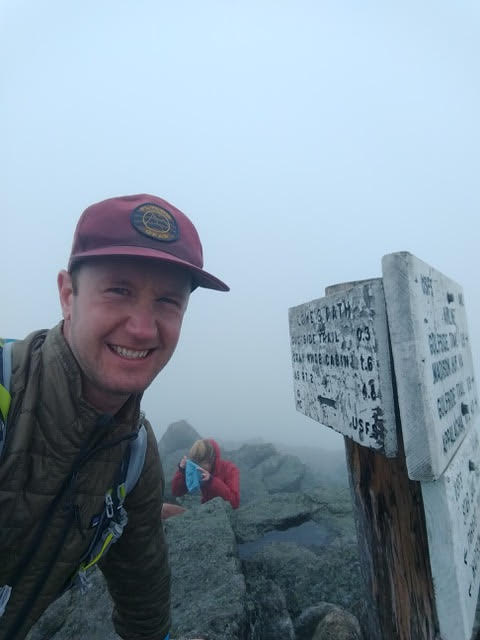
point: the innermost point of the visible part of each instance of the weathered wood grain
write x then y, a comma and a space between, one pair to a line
393, 546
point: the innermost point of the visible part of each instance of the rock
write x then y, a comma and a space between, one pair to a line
331, 509
278, 511
268, 617
334, 506
263, 471
332, 574
252, 486
169, 464
190, 500
179, 435
325, 467
338, 625
306, 623
76, 616
250, 456
335, 500
208, 587
282, 473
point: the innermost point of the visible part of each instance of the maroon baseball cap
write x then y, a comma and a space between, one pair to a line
141, 225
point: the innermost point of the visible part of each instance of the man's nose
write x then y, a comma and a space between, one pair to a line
142, 324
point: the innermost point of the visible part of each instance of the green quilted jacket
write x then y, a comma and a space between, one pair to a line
60, 458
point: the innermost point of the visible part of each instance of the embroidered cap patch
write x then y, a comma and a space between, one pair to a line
155, 222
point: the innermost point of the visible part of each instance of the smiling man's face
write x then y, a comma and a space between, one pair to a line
122, 322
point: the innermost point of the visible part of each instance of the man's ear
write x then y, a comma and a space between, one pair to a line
65, 292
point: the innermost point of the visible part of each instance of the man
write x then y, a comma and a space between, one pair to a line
75, 412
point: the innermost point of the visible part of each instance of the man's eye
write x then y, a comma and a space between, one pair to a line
121, 291
169, 301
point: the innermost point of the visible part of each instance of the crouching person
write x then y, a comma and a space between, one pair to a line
216, 477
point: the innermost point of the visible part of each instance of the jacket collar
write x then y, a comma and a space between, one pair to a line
62, 380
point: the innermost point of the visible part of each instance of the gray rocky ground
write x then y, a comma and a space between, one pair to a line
283, 566
216, 595
208, 585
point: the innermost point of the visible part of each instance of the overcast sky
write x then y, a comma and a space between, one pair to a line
305, 139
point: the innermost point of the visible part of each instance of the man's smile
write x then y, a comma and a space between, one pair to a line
130, 354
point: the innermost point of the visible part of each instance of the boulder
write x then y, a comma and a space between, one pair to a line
267, 613
279, 511
208, 587
179, 435
170, 464
334, 506
76, 615
331, 574
249, 456
338, 624
323, 621
252, 486
282, 473
306, 623
330, 509
325, 467
264, 471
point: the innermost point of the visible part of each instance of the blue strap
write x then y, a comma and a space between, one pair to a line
138, 449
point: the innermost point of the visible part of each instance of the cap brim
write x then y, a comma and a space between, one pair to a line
201, 278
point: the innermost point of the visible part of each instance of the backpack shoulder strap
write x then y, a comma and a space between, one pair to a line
138, 450
5, 376
114, 517
7, 363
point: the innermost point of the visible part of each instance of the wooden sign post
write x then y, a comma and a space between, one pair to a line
416, 507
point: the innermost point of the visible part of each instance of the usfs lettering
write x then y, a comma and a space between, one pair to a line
360, 425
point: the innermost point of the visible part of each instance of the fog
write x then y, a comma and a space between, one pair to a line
305, 139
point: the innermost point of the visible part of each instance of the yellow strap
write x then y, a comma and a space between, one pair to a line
5, 398
121, 492
105, 546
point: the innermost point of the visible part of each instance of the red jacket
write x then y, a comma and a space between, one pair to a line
223, 483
